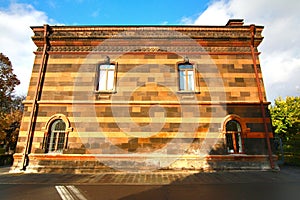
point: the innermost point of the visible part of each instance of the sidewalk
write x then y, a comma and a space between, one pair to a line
287, 174
4, 169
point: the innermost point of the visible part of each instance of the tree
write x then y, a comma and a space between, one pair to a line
11, 108
9, 129
285, 116
8, 81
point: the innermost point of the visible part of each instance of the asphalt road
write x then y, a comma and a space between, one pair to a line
288, 191
242, 185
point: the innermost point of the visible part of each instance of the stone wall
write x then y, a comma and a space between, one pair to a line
147, 114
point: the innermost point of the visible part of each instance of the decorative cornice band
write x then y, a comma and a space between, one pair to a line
63, 33
127, 49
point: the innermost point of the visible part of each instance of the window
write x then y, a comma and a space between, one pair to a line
106, 78
56, 137
233, 137
56, 132
186, 77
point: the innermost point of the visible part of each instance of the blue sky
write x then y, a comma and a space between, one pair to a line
74, 12
280, 57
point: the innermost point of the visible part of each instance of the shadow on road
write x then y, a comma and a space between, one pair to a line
229, 185
242, 185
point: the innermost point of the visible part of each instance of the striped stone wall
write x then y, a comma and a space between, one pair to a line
147, 115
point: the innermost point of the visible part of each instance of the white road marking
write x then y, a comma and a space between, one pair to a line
64, 193
69, 192
76, 192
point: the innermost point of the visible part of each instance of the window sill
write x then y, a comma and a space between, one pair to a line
188, 92
236, 154
105, 92
54, 153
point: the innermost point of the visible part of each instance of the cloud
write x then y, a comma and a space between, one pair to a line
216, 13
15, 39
280, 58
186, 20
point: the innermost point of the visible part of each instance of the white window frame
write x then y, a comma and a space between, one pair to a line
53, 142
106, 78
187, 77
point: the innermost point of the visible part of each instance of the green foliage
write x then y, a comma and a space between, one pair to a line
285, 116
292, 151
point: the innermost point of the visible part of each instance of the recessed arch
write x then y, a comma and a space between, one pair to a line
235, 131
237, 118
56, 133
55, 117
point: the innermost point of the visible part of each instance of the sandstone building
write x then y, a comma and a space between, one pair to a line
145, 98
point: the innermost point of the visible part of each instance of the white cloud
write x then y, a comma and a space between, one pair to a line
280, 58
216, 14
186, 20
15, 39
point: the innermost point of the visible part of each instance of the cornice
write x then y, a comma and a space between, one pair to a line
149, 49
147, 38
194, 32
109, 102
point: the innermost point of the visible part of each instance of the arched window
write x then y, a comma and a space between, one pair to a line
56, 137
234, 137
